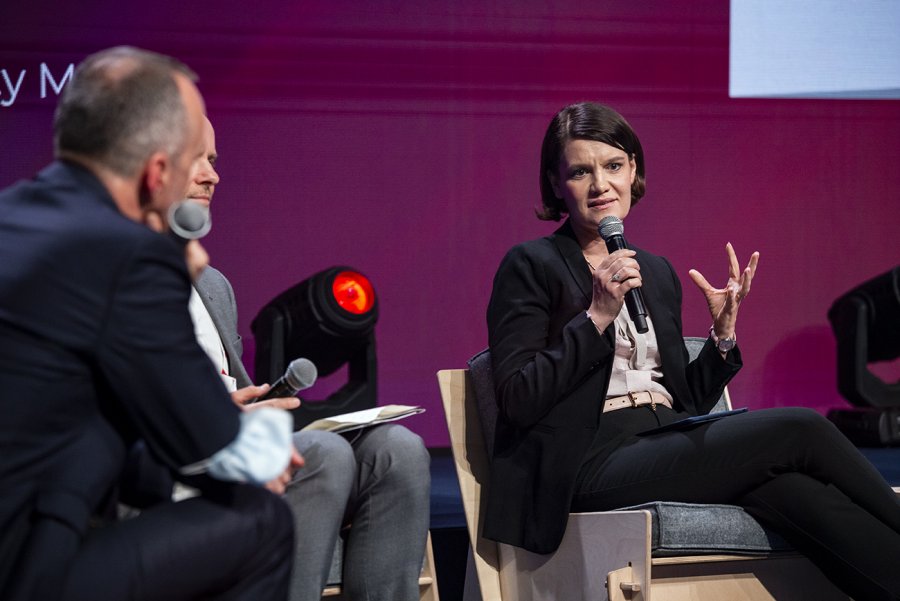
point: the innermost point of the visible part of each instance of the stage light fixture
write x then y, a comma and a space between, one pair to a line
328, 318
866, 325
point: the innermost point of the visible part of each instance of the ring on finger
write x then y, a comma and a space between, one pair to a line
615, 277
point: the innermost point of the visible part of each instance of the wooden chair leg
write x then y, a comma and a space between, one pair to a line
428, 587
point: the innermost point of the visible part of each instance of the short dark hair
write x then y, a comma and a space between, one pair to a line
122, 105
585, 121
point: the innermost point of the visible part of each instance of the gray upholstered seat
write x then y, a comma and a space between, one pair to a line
678, 528
692, 529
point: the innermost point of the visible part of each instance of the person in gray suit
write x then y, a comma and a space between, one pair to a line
378, 482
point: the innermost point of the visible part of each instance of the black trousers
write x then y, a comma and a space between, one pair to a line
235, 542
790, 468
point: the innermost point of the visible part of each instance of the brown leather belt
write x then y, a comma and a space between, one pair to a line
636, 399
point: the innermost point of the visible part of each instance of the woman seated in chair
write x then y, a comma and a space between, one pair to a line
576, 383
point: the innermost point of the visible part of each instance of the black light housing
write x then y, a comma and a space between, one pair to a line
329, 318
866, 325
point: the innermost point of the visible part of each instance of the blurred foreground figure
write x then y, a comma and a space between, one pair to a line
98, 352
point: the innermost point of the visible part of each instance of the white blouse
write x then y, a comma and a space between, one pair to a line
637, 365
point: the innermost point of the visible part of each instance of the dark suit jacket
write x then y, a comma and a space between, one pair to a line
551, 371
97, 350
145, 481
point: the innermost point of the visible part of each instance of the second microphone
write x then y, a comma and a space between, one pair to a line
299, 375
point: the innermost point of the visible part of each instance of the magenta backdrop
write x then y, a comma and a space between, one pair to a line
402, 138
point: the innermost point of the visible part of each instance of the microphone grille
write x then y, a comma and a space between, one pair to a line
189, 220
301, 373
610, 226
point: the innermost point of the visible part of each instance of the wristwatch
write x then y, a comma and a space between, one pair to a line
723, 344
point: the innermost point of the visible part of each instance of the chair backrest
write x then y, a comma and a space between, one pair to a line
482, 377
693, 345
471, 458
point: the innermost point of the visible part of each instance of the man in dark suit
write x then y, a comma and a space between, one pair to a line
97, 352
380, 482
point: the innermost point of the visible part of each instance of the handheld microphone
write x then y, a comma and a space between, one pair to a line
299, 375
612, 231
188, 220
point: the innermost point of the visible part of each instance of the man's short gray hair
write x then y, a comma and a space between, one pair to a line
122, 105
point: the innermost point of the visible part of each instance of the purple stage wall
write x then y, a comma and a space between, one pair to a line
402, 138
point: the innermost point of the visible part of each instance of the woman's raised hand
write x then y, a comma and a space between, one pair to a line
724, 302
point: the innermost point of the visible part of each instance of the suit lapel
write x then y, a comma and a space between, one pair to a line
206, 295
572, 255
653, 289
650, 288
665, 325
658, 307
570, 250
223, 326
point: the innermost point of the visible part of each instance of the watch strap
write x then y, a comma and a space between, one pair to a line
723, 344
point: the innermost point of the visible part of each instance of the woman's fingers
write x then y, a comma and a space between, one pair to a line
734, 268
748, 274
701, 282
620, 276
754, 260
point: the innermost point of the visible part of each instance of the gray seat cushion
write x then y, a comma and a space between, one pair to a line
678, 528
688, 528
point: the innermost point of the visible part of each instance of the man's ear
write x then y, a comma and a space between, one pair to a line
154, 177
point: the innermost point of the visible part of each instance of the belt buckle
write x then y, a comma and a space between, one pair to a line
633, 398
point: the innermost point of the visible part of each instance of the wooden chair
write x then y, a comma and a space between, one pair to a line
428, 589
604, 555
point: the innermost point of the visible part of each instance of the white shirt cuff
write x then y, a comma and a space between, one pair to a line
261, 451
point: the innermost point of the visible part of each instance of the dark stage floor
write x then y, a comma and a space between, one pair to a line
448, 523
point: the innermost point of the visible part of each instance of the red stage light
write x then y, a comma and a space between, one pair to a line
328, 318
353, 292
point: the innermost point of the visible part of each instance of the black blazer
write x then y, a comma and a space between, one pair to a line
97, 349
551, 370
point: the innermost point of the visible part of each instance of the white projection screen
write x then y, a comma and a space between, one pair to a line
815, 49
